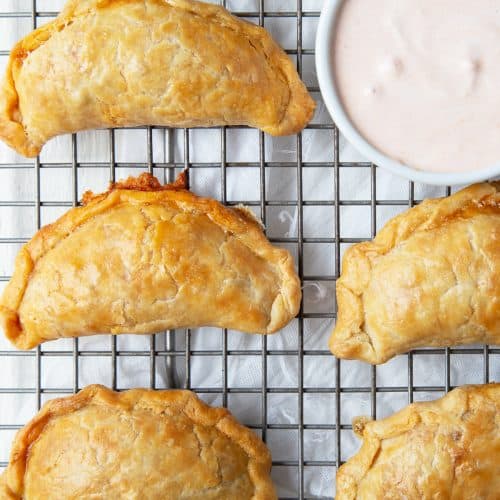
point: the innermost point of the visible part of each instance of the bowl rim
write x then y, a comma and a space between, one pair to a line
327, 85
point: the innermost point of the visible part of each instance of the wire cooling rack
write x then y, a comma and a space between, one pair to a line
306, 449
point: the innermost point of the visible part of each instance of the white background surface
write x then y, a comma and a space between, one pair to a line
57, 372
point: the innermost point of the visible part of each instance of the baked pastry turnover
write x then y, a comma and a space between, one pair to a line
449, 448
136, 444
431, 277
142, 258
176, 63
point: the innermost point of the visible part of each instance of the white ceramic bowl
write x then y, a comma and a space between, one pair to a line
326, 77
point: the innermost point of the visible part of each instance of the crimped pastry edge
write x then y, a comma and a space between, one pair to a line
349, 340
181, 401
137, 190
299, 111
373, 432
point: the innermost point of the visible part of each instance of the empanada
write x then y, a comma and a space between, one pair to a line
449, 448
176, 63
142, 258
136, 444
431, 277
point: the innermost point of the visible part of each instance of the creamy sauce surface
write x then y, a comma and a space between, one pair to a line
420, 79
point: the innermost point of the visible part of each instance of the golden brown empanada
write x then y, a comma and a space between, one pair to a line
431, 277
136, 444
142, 258
449, 448
177, 63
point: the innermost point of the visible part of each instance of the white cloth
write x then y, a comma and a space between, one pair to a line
243, 184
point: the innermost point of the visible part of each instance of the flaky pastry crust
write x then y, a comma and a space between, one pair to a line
136, 444
176, 63
143, 258
449, 448
431, 277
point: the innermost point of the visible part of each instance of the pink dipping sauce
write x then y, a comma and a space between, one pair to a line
420, 79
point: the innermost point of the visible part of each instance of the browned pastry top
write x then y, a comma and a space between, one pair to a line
431, 277
177, 63
142, 258
449, 448
136, 444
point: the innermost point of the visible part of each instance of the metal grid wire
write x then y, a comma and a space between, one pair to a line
168, 351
